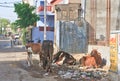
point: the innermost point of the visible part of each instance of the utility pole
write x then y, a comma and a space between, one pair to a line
45, 4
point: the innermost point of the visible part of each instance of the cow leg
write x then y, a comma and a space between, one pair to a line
28, 59
50, 58
40, 59
48, 67
30, 62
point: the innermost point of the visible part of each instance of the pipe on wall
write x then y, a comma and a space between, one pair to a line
108, 20
93, 20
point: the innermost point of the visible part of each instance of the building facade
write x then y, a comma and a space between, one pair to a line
38, 31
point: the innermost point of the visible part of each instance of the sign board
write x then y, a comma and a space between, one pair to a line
115, 52
119, 53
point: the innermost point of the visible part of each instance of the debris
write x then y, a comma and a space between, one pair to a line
46, 74
86, 74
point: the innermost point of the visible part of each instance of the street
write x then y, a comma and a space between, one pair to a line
87, 33
11, 61
13, 67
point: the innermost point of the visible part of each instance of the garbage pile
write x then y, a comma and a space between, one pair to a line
83, 74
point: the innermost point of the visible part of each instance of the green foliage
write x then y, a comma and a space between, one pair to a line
23, 36
14, 27
3, 24
26, 15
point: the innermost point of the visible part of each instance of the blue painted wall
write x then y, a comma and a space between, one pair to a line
39, 35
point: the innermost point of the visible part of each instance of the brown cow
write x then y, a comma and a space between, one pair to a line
45, 51
92, 60
33, 48
94, 53
88, 61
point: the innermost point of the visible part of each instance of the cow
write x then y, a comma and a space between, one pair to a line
33, 48
47, 54
94, 53
62, 57
91, 60
88, 61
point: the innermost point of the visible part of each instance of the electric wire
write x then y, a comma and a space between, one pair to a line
8, 4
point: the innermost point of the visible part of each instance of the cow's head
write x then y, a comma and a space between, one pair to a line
94, 52
28, 47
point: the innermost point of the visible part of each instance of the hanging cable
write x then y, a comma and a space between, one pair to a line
6, 6
10, 2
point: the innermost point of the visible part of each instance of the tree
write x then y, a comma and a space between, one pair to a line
14, 27
26, 15
3, 24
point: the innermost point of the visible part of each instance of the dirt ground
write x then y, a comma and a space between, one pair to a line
13, 67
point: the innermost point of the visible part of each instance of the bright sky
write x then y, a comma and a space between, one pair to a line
7, 9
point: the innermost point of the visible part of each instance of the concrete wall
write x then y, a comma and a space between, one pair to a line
104, 50
74, 1
115, 14
95, 15
98, 19
69, 1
